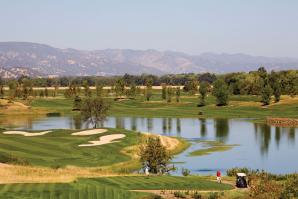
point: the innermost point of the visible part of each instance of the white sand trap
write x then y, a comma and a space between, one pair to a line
24, 133
90, 132
107, 139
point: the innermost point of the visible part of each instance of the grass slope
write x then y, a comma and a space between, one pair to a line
107, 187
60, 148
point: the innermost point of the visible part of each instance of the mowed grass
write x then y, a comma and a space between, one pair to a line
108, 187
158, 183
242, 106
65, 191
59, 148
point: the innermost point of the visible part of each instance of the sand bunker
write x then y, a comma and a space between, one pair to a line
24, 133
107, 139
90, 132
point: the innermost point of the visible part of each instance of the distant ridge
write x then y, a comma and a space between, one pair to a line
33, 59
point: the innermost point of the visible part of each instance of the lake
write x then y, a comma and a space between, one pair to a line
259, 146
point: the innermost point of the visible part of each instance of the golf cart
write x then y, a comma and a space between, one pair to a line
241, 181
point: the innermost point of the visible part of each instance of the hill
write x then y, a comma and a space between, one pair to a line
32, 59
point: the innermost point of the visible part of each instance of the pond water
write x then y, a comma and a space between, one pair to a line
259, 146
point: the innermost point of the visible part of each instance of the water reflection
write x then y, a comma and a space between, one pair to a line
277, 136
260, 145
149, 124
203, 129
222, 129
178, 127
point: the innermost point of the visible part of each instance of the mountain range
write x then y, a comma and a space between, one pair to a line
33, 59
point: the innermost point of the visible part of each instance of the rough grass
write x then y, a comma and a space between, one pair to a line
212, 147
107, 187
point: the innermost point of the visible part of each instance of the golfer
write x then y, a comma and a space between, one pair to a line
218, 176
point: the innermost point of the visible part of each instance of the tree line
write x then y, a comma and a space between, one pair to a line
260, 82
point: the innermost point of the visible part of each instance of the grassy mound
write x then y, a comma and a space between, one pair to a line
59, 148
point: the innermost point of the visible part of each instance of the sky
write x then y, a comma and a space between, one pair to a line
256, 27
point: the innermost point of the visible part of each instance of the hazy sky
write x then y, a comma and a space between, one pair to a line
257, 27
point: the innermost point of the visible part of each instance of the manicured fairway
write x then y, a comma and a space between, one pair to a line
60, 148
158, 182
108, 187
239, 107
65, 191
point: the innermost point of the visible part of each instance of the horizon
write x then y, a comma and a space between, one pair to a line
257, 28
149, 49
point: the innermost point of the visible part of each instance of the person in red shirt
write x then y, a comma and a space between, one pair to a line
218, 176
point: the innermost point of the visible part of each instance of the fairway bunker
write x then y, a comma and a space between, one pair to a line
24, 133
90, 132
107, 139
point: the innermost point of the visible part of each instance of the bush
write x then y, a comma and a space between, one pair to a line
234, 171
179, 194
213, 195
185, 172
290, 188
196, 195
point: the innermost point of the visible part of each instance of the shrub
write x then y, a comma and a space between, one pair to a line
185, 172
234, 171
290, 188
196, 195
213, 195
179, 194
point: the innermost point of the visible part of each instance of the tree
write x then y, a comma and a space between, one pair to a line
148, 91
220, 91
1, 91
164, 91
12, 89
94, 110
120, 87
56, 88
191, 87
266, 94
178, 93
99, 90
275, 85
154, 155
86, 88
203, 92
77, 103
132, 91
1, 88
41, 93
46, 92
169, 94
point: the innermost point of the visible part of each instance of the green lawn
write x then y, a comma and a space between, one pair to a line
107, 187
186, 108
60, 148
158, 182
